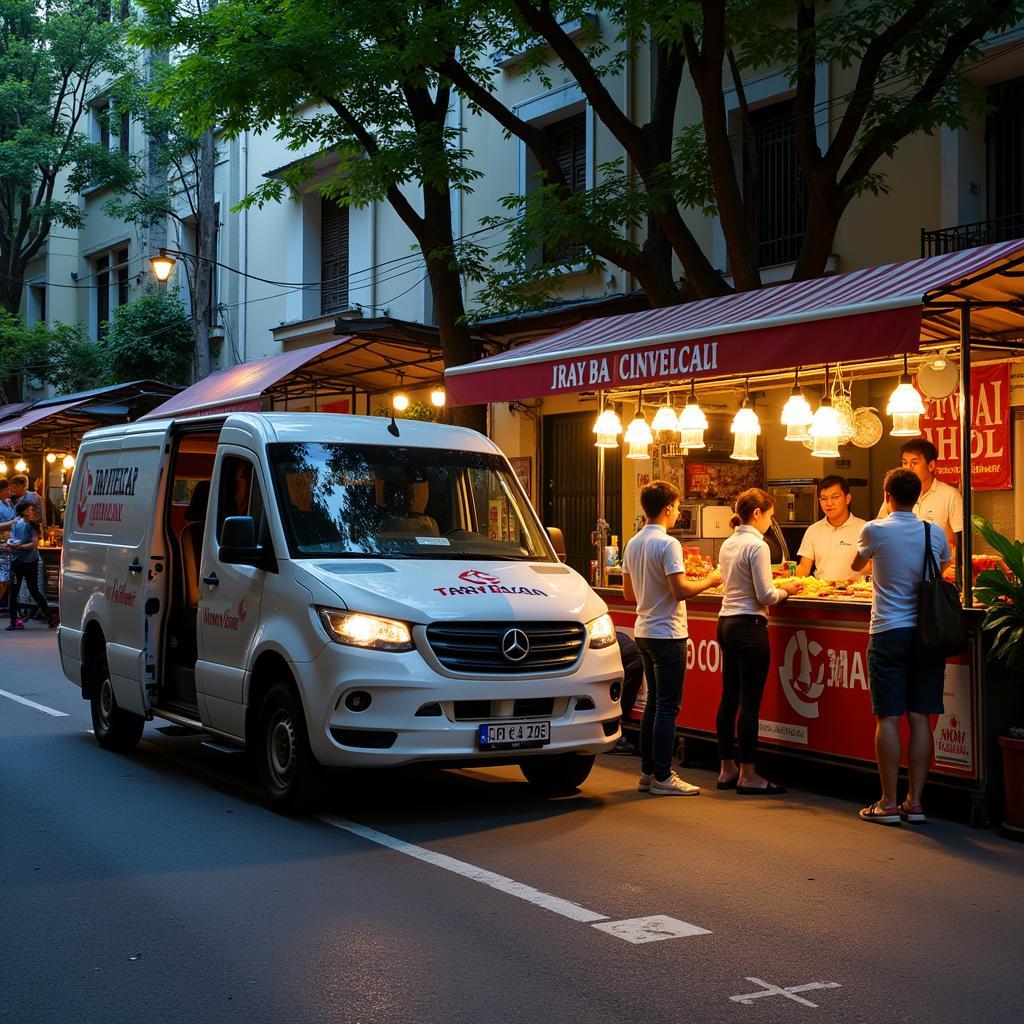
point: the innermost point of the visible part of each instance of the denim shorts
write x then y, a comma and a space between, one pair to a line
900, 681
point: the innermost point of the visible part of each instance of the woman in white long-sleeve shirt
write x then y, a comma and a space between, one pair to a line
743, 636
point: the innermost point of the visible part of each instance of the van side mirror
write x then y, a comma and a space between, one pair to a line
238, 545
557, 541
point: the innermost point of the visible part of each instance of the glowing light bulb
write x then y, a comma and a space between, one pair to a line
400, 402
69, 462
20, 466
906, 409
607, 428
825, 431
51, 458
692, 424
437, 398
796, 416
746, 427
665, 419
638, 439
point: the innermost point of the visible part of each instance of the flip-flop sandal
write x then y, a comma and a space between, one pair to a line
726, 784
879, 815
772, 789
913, 814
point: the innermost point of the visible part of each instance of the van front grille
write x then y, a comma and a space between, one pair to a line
472, 647
481, 710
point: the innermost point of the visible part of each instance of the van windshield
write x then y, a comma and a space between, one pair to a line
342, 501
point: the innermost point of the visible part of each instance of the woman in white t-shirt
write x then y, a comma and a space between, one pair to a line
743, 637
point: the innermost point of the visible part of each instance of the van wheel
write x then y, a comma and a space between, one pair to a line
115, 729
558, 773
292, 778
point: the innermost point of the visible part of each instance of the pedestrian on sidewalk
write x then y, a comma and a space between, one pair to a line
23, 544
7, 517
653, 575
901, 682
743, 637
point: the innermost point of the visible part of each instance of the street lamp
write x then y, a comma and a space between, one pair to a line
162, 265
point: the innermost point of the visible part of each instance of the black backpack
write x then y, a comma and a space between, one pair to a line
941, 627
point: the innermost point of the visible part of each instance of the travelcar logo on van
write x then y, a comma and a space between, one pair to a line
118, 481
478, 582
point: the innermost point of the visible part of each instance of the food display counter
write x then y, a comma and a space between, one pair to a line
816, 701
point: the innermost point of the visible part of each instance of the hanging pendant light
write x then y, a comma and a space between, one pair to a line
905, 406
746, 427
3, 468
638, 436
692, 422
607, 428
825, 427
665, 419
69, 462
20, 466
796, 413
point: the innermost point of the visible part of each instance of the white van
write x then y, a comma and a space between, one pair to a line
330, 591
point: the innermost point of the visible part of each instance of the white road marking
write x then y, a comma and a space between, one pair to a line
555, 904
32, 704
789, 993
650, 929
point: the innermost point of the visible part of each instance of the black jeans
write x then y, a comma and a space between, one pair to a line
746, 657
29, 572
664, 668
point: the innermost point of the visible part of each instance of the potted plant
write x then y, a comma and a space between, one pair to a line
1001, 591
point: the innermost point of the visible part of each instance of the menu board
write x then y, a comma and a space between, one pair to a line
721, 479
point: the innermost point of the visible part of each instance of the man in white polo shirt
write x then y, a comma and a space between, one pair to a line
829, 545
939, 503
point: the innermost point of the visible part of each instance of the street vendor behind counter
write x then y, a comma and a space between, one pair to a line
830, 544
939, 503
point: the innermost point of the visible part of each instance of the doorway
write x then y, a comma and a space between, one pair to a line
570, 485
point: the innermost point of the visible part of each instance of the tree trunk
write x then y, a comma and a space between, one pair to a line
205, 233
822, 221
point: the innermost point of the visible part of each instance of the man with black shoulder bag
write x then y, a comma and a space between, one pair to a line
912, 624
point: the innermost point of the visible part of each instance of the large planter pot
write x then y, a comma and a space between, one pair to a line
1013, 784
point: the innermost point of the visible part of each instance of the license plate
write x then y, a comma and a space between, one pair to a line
514, 735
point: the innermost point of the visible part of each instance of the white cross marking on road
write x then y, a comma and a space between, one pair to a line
790, 993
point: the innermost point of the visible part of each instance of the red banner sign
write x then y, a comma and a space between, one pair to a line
817, 698
991, 466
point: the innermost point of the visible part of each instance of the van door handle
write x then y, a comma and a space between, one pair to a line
211, 580
135, 567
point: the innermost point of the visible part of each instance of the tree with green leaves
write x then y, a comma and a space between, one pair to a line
910, 57
60, 355
150, 339
352, 80
52, 57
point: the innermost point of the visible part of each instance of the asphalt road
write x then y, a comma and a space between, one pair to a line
156, 887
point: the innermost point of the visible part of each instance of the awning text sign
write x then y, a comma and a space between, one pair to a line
765, 348
991, 465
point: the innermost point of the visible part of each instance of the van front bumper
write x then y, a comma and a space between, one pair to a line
418, 715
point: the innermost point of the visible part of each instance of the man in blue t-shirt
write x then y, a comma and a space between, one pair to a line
901, 682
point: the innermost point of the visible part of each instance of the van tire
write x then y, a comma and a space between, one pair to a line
291, 777
557, 773
115, 729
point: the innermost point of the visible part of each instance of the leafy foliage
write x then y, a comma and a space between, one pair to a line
61, 355
1003, 597
150, 338
51, 57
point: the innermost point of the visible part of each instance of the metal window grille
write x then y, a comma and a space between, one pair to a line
568, 142
333, 256
774, 183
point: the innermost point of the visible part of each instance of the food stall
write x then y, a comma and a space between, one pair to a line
813, 378
40, 440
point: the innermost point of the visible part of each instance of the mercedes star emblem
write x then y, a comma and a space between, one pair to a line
515, 645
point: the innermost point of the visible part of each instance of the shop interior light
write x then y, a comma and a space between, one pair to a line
437, 398
905, 406
607, 428
69, 462
51, 458
796, 413
400, 402
745, 426
665, 419
692, 422
638, 436
825, 427
20, 466
3, 468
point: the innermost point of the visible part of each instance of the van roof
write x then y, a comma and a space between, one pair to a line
318, 426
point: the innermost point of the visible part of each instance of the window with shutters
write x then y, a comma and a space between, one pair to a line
568, 141
774, 182
333, 256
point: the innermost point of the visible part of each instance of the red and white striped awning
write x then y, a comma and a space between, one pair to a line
867, 314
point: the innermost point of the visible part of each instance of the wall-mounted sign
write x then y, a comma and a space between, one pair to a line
991, 465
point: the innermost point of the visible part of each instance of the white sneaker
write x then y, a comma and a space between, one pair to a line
673, 786
644, 785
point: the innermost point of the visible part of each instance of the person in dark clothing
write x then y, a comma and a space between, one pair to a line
23, 544
633, 678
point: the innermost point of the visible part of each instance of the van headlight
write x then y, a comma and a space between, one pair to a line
356, 629
602, 631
